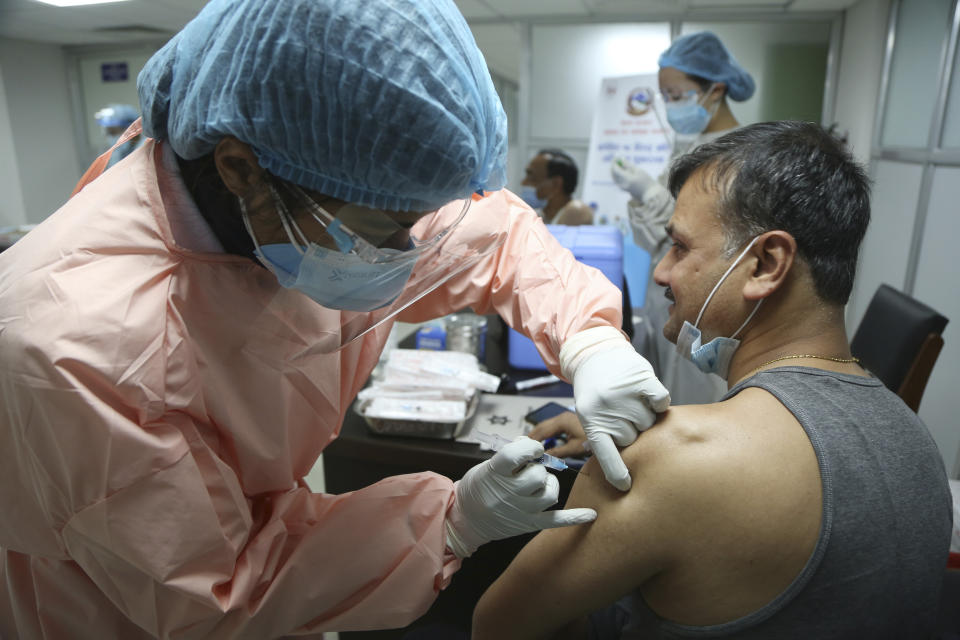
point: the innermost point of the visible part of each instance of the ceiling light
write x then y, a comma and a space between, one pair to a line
76, 3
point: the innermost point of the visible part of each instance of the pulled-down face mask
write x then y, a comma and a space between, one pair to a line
715, 356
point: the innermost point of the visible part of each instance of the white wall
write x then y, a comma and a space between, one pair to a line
855, 111
860, 66
500, 44
40, 119
11, 204
569, 61
938, 286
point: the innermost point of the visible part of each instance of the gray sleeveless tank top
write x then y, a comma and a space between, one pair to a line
887, 518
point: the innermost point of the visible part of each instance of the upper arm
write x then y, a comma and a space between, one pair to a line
563, 574
575, 215
531, 281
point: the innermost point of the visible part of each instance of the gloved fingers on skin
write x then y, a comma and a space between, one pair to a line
657, 395
564, 518
530, 480
608, 456
515, 454
625, 429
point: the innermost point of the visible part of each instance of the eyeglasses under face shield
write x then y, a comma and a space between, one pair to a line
368, 263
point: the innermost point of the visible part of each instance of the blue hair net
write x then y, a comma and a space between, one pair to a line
384, 103
702, 54
116, 115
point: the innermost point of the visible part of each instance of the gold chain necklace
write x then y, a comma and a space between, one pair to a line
803, 355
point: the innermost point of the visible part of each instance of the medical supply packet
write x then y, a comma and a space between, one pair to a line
422, 393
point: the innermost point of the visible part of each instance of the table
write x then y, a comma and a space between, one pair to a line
359, 458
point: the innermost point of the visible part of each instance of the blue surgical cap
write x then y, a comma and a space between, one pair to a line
702, 54
384, 103
116, 115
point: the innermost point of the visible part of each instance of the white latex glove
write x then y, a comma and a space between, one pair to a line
616, 392
505, 496
631, 178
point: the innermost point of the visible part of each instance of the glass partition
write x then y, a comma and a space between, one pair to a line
915, 72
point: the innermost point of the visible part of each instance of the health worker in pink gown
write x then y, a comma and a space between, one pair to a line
182, 339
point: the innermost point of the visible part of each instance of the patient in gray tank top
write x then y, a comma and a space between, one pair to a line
881, 552
810, 501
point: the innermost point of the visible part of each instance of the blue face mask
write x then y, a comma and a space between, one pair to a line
529, 195
338, 280
688, 116
715, 356
355, 276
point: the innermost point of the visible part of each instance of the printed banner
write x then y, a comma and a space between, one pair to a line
628, 122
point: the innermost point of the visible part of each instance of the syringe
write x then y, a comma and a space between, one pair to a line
495, 441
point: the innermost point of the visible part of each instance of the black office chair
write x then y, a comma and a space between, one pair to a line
898, 341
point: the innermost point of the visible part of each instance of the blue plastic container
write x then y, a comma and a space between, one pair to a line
597, 246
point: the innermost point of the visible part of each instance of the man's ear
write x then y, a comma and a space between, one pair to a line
557, 182
238, 167
775, 252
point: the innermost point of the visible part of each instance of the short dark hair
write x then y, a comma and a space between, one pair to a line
792, 176
561, 164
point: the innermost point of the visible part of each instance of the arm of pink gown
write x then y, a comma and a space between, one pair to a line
532, 281
160, 524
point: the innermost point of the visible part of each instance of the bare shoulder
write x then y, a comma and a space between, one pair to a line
575, 212
711, 468
719, 439
722, 513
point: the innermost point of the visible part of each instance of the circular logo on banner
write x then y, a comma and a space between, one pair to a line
639, 101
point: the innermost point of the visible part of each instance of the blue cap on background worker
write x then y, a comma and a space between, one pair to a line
114, 119
696, 75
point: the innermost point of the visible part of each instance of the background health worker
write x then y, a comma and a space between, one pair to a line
181, 340
114, 120
696, 76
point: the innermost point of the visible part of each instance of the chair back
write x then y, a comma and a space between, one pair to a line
898, 341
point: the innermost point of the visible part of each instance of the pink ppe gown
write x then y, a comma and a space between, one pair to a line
156, 425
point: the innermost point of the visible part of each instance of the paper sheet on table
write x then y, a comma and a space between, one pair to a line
503, 415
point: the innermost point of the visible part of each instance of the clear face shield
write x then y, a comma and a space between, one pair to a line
365, 262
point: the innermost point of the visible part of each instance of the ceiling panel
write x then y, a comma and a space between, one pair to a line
29, 20
822, 5
517, 8
629, 7
741, 4
472, 9
95, 24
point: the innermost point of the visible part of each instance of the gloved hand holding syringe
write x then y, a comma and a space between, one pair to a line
495, 441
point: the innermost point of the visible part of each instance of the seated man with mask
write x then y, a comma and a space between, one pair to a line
548, 185
809, 502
